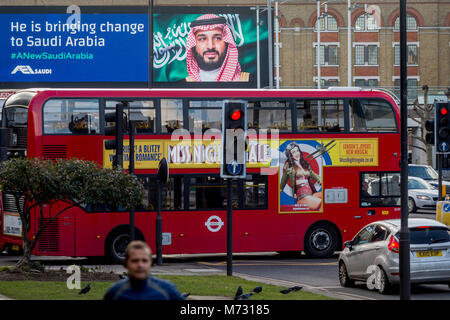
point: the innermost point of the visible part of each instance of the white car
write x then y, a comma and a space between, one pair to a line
373, 254
421, 195
428, 174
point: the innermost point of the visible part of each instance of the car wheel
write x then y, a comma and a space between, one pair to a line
321, 241
411, 205
344, 279
384, 286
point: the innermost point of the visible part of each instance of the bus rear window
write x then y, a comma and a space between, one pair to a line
371, 115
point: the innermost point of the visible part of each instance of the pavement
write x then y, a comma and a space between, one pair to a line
191, 269
186, 268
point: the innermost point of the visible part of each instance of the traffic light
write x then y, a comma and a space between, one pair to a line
429, 126
442, 132
117, 131
234, 131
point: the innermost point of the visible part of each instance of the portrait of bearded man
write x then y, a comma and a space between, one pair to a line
212, 54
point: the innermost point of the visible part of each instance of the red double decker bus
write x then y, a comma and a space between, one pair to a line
320, 165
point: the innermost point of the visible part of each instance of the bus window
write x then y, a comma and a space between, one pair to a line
16, 116
269, 115
371, 115
71, 116
141, 112
171, 115
2, 102
255, 191
206, 192
331, 115
380, 189
205, 115
172, 194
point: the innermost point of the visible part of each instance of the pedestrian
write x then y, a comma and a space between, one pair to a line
140, 285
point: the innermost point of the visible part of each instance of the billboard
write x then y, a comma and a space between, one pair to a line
87, 46
201, 46
109, 46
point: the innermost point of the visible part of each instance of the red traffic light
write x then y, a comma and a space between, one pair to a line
235, 115
444, 111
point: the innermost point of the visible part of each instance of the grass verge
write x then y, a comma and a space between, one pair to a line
214, 285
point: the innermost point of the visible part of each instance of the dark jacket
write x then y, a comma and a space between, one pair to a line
149, 289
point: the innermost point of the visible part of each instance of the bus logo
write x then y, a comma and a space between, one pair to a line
214, 223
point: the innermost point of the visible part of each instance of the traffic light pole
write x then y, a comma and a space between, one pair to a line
158, 224
439, 158
229, 228
131, 171
404, 258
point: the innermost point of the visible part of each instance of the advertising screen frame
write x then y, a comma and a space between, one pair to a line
83, 10
264, 67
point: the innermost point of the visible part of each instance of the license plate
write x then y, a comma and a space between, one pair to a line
429, 253
15, 247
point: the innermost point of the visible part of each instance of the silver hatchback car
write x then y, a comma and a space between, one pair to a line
373, 254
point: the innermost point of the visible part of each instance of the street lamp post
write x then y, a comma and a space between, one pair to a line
349, 43
319, 55
318, 46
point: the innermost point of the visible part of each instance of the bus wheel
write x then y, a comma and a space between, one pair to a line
117, 243
321, 241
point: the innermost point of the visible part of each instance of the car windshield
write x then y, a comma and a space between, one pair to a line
428, 235
424, 172
419, 184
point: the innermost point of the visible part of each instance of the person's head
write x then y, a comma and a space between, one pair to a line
138, 260
210, 49
395, 178
365, 185
210, 46
293, 152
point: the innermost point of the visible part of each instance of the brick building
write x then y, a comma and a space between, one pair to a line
375, 40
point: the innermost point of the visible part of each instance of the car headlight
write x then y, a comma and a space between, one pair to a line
421, 197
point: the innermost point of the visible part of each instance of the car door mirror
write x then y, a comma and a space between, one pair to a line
348, 244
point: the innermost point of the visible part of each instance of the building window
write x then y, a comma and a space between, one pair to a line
411, 24
327, 23
413, 88
359, 55
366, 55
328, 55
372, 55
413, 55
366, 22
366, 83
325, 83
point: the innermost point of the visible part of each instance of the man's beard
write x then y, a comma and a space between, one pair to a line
209, 65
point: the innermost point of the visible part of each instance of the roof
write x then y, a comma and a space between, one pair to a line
415, 222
